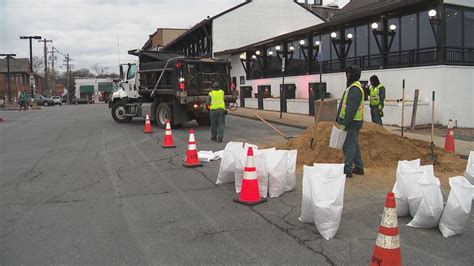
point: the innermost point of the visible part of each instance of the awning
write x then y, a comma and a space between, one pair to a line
86, 89
105, 86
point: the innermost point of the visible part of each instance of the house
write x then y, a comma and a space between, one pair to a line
19, 77
424, 45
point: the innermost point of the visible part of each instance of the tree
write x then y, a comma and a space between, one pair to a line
100, 71
38, 64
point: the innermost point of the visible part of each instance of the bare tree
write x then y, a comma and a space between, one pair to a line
100, 71
38, 64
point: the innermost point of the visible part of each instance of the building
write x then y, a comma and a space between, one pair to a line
246, 23
93, 89
19, 77
161, 37
424, 44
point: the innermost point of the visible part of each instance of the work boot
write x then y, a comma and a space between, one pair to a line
348, 174
358, 171
219, 140
214, 138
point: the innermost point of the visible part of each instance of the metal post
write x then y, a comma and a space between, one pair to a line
403, 104
8, 56
31, 58
45, 50
283, 66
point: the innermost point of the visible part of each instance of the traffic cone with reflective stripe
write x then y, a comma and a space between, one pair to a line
147, 128
192, 159
250, 191
449, 141
387, 246
169, 140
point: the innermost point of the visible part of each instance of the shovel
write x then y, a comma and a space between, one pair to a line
433, 155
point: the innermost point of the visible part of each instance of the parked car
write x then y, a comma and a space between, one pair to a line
57, 100
41, 100
79, 101
2, 103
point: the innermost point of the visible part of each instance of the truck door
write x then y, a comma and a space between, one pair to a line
131, 83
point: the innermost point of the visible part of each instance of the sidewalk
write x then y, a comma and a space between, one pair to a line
303, 121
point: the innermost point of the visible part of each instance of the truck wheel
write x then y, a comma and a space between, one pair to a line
163, 112
119, 113
204, 121
46, 103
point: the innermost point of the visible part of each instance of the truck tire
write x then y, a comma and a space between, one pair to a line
46, 103
118, 113
164, 111
204, 121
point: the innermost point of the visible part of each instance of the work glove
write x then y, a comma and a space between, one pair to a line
342, 127
380, 113
380, 107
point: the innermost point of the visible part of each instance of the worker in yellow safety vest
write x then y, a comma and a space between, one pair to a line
377, 99
216, 100
350, 116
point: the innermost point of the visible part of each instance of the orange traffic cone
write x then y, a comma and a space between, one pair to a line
147, 128
192, 159
169, 140
250, 192
449, 141
387, 246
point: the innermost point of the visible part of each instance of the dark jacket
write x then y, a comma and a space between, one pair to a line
354, 98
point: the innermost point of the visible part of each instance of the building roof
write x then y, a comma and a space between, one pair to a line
356, 10
148, 44
16, 65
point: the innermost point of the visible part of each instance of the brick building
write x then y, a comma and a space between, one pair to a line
19, 77
161, 37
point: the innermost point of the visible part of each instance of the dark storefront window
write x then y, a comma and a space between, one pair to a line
409, 32
469, 29
351, 52
326, 47
396, 39
373, 43
453, 28
362, 40
427, 39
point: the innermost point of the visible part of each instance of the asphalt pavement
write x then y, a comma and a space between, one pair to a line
78, 188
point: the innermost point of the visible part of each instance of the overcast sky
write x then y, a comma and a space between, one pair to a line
91, 31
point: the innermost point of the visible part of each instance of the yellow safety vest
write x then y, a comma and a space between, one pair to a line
375, 96
217, 99
359, 116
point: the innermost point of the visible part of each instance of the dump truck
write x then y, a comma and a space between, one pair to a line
169, 86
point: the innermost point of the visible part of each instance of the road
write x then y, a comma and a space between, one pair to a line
77, 188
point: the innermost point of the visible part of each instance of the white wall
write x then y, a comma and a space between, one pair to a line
94, 82
453, 85
460, 2
259, 20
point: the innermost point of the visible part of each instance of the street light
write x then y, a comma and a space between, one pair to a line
31, 58
432, 13
8, 56
346, 40
385, 33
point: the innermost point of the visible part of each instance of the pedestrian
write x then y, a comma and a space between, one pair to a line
216, 100
23, 100
377, 99
350, 116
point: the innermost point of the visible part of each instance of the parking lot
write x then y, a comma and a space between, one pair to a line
78, 188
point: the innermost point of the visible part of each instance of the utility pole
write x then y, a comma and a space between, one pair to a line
44, 41
67, 60
8, 56
53, 74
31, 61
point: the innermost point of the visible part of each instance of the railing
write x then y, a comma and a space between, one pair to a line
407, 58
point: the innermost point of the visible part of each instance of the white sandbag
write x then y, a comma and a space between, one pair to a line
291, 170
260, 164
276, 163
413, 188
458, 207
218, 155
398, 188
323, 198
205, 156
329, 169
337, 138
227, 166
469, 174
431, 206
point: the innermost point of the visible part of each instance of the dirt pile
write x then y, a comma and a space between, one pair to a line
379, 148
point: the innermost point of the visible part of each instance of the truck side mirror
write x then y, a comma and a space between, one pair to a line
121, 71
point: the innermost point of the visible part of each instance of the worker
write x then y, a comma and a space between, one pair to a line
350, 116
23, 100
377, 99
216, 100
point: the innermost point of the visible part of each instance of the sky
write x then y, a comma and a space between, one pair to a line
96, 31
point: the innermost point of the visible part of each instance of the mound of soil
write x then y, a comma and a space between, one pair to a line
379, 148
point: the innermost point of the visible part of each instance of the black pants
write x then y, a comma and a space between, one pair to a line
374, 113
217, 123
351, 150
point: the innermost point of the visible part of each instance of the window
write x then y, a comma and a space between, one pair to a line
132, 71
351, 52
469, 29
374, 49
408, 31
326, 47
427, 38
453, 28
362, 40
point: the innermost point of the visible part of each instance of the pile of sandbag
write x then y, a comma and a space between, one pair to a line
276, 169
469, 174
418, 194
323, 197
